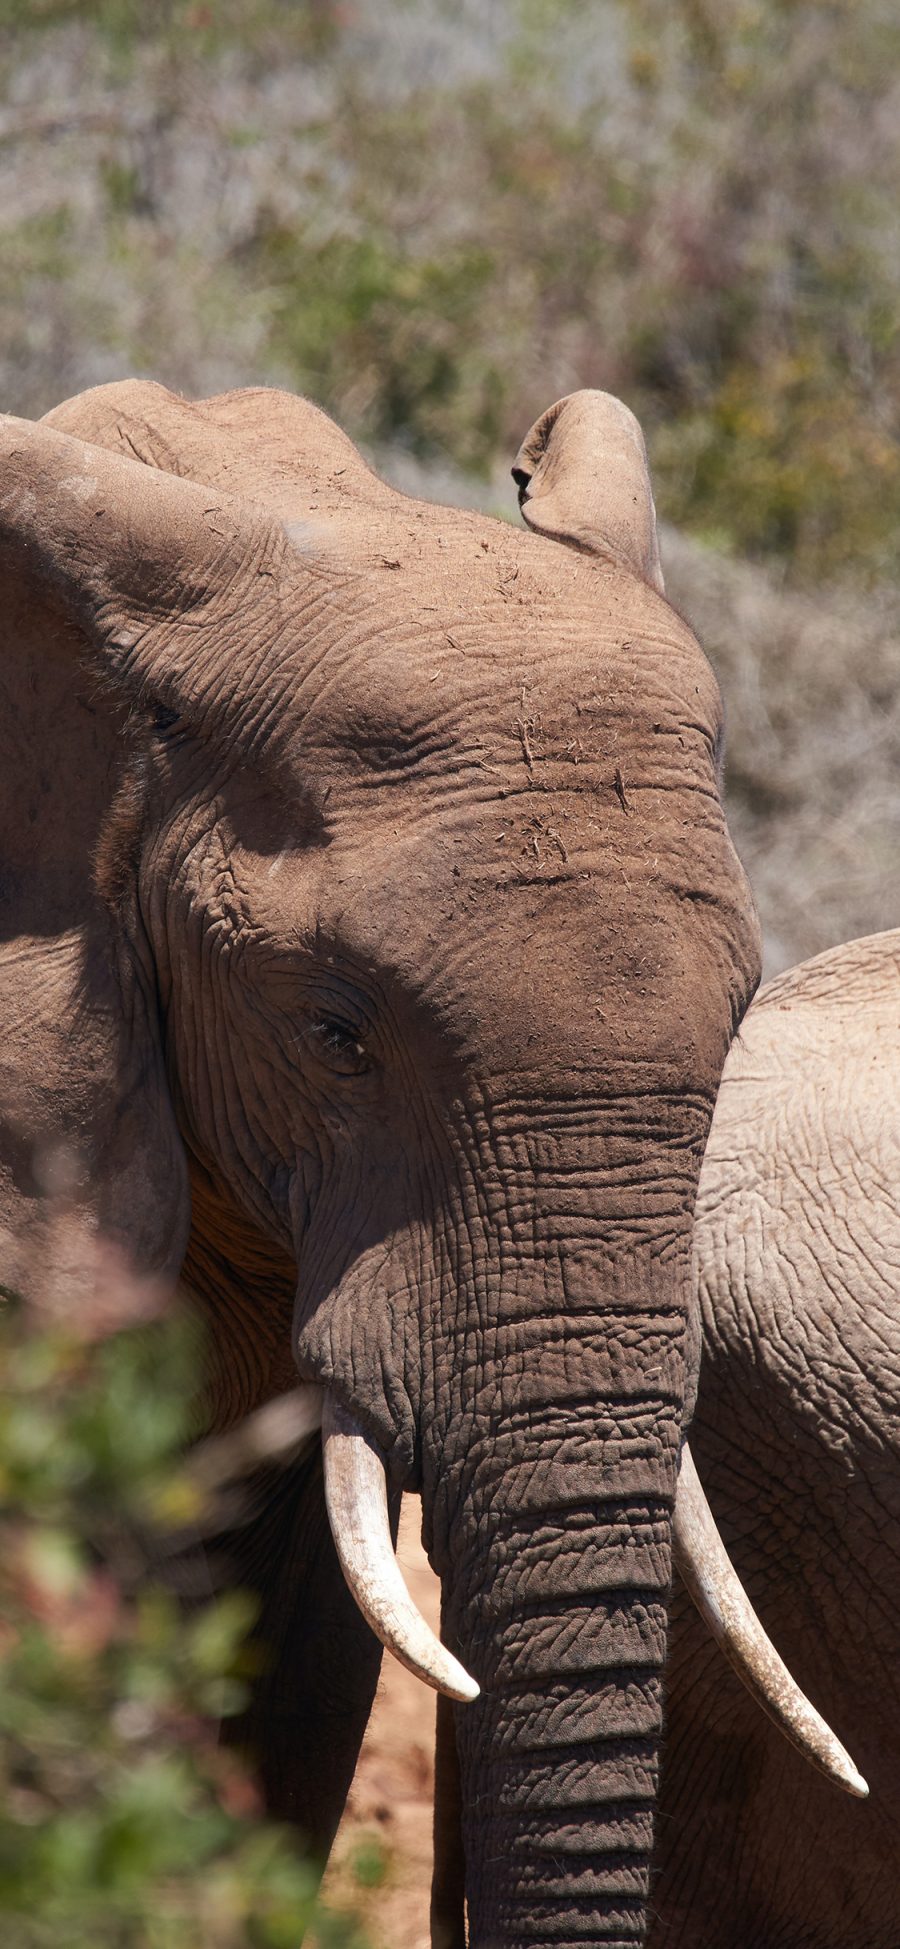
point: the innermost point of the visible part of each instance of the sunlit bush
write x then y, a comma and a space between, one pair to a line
124, 1823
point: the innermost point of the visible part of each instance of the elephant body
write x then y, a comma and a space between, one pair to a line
797, 1436
372, 946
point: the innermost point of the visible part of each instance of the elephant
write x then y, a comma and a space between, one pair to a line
373, 943
797, 1436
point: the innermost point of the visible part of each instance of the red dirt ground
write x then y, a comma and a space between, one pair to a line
391, 1796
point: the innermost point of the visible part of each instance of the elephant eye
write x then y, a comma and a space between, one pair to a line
338, 1044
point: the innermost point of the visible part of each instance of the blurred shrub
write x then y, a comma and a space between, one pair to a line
393, 337
436, 218
123, 1824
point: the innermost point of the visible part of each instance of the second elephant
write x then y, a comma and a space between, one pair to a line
797, 1436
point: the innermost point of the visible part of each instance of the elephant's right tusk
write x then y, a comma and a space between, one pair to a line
356, 1495
726, 1609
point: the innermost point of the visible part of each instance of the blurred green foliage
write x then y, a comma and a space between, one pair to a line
436, 218
397, 335
173, 24
123, 1823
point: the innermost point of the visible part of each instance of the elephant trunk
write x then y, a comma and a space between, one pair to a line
559, 1607
549, 1488
546, 1435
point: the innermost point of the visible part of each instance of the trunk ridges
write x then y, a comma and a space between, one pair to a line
564, 1858
612, 1632
554, 1524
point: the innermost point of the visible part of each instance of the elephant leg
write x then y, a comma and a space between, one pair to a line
448, 1882
318, 1660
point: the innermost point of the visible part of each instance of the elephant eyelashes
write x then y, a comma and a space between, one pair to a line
162, 718
338, 1044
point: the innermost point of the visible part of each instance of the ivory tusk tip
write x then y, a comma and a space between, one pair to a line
728, 1614
852, 1781
463, 1688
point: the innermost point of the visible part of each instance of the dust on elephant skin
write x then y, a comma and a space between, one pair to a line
373, 943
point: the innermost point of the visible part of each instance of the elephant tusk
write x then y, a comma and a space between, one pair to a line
356, 1496
725, 1608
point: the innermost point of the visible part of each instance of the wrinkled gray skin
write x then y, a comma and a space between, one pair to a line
373, 941
797, 1436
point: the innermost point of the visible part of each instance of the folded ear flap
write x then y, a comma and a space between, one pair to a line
128, 552
260, 443
583, 478
105, 564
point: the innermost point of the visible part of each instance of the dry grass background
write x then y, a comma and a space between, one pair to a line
812, 693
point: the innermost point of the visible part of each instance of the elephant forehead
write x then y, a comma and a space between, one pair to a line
567, 690
616, 838
526, 930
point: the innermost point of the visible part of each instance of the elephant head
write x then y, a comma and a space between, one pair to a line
377, 943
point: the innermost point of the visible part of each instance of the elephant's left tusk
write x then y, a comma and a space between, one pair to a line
356, 1495
725, 1608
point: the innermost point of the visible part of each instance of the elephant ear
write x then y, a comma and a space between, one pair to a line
260, 443
98, 556
583, 478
